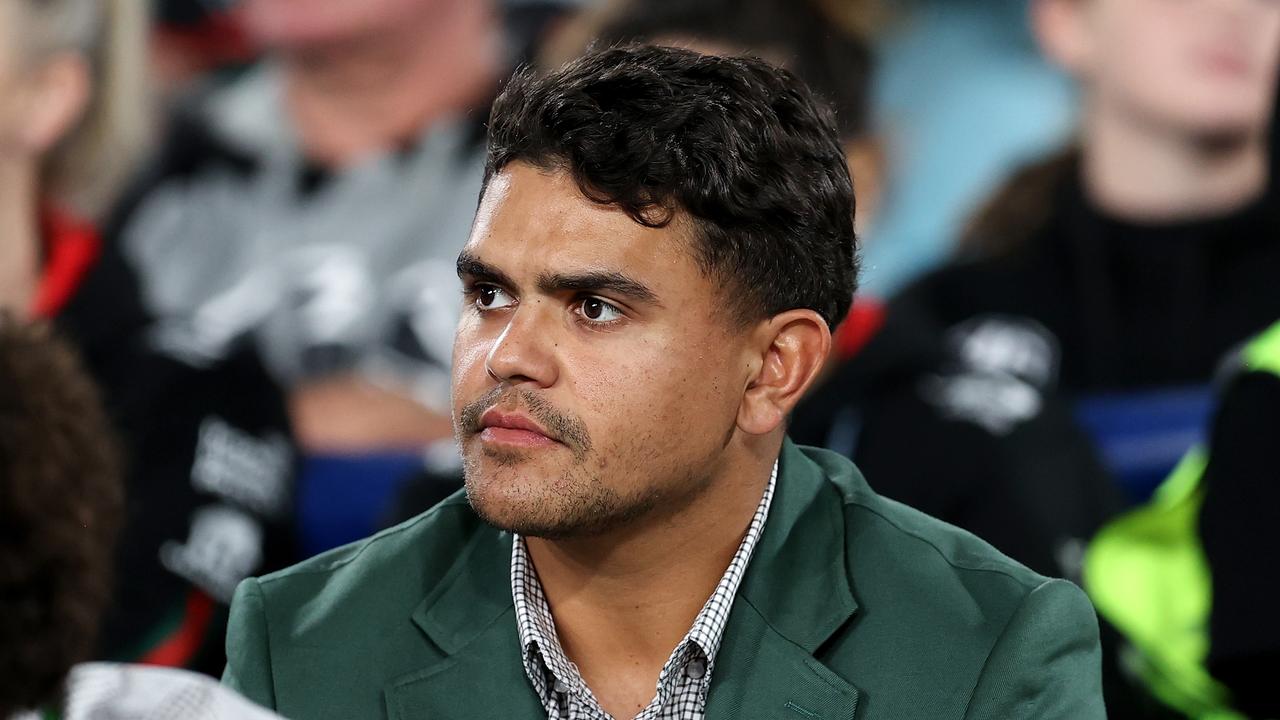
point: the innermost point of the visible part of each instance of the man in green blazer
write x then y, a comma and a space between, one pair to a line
663, 244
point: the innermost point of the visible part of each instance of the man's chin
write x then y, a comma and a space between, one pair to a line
549, 509
524, 516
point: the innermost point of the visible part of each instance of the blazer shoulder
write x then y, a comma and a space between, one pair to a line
451, 522
884, 525
916, 570
324, 637
936, 602
384, 576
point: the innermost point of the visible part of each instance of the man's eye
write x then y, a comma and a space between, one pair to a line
598, 311
492, 297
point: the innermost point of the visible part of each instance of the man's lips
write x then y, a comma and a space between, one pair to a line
513, 429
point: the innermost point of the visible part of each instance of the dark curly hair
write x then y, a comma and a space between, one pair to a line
60, 505
739, 146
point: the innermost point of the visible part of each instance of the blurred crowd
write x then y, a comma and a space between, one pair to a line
239, 219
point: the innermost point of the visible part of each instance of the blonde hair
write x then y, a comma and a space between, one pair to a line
89, 167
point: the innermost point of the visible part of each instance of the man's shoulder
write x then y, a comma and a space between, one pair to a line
934, 601
897, 549
351, 613
392, 571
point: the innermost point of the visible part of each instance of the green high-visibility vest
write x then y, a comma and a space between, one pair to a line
1147, 575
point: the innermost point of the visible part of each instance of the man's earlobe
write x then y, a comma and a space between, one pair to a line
793, 346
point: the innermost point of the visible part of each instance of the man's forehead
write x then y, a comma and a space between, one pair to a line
533, 220
531, 198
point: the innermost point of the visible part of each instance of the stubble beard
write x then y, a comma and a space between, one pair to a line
577, 505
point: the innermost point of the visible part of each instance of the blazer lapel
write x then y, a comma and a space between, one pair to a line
796, 595
483, 680
761, 674
470, 618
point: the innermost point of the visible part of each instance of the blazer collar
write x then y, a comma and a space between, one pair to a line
796, 595
469, 618
799, 576
474, 592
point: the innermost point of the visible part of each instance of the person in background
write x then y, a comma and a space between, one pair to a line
1179, 576
962, 97
1072, 346
1145, 253
207, 456
61, 502
314, 206
1238, 523
71, 128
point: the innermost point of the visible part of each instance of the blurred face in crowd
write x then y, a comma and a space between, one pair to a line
11, 80
17, 264
1206, 67
301, 23
42, 96
598, 373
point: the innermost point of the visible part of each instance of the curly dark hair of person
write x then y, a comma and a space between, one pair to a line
739, 147
60, 506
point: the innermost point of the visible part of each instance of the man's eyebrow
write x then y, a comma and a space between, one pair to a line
471, 267
598, 281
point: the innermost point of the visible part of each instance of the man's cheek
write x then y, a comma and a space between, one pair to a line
469, 353
623, 382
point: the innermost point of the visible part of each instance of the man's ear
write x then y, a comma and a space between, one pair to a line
1061, 27
788, 352
53, 101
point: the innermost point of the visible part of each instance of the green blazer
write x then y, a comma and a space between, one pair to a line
854, 606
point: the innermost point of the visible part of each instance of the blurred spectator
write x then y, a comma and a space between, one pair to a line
71, 125
962, 98
1115, 277
316, 205
206, 450
1148, 252
1180, 575
1070, 352
1238, 522
60, 507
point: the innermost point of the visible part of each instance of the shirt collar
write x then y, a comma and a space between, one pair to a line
545, 662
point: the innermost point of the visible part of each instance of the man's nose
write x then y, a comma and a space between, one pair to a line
523, 352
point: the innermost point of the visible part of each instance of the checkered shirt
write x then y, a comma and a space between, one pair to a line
686, 677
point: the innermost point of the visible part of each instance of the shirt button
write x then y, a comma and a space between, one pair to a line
696, 669
561, 687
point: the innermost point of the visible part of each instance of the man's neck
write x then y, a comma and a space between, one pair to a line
19, 239
371, 94
1149, 174
622, 602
